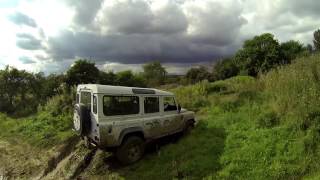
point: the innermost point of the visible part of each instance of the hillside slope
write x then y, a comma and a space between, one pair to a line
265, 128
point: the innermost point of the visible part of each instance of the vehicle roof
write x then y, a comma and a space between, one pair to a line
121, 90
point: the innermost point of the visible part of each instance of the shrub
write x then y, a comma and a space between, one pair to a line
60, 104
295, 88
234, 84
193, 96
50, 126
219, 87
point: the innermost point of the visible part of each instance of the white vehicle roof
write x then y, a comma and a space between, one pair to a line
121, 90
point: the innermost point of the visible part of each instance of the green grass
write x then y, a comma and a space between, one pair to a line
264, 128
49, 127
193, 156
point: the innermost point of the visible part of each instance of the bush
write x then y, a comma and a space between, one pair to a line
234, 84
219, 87
193, 96
50, 126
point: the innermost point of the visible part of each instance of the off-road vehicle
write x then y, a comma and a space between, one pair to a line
123, 119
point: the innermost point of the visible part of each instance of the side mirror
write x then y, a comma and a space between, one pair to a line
179, 108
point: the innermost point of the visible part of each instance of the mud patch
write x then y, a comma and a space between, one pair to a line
100, 167
2, 175
20, 160
73, 165
83, 164
62, 153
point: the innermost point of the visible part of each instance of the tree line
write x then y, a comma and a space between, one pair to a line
21, 92
257, 55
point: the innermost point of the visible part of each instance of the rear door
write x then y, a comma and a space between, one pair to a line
152, 119
90, 101
172, 120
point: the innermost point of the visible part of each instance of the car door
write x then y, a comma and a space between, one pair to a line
172, 119
87, 100
152, 119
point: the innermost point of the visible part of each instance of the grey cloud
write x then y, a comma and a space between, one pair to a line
28, 42
136, 33
216, 24
42, 57
56, 66
310, 8
22, 19
127, 17
286, 19
85, 11
26, 60
293, 15
304, 28
133, 48
169, 19
130, 17
178, 33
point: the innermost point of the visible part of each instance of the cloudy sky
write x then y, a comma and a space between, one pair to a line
48, 35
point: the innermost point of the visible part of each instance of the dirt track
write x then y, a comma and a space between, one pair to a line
71, 160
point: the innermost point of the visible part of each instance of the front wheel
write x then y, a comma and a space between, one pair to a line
131, 150
188, 127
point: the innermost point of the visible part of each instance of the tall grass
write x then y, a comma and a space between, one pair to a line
271, 128
275, 136
193, 97
50, 126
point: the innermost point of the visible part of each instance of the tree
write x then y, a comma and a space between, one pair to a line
290, 50
82, 72
259, 54
52, 84
107, 78
154, 73
197, 74
309, 48
316, 40
17, 93
224, 69
127, 78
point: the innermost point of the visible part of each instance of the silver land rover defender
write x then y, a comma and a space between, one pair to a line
125, 118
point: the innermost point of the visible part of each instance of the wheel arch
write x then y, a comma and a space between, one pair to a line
131, 131
190, 120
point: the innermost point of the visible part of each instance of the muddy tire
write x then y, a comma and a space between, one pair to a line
131, 150
87, 143
188, 127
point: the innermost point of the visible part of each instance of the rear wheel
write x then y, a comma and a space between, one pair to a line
131, 150
87, 143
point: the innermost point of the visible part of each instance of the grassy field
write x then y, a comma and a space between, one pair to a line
264, 128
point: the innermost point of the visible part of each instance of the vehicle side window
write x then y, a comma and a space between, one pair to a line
169, 104
120, 105
151, 104
94, 106
85, 99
